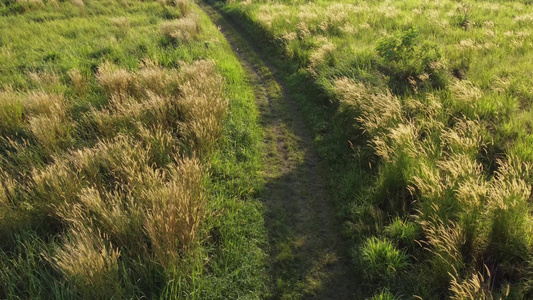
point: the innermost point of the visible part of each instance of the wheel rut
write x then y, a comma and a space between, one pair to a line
307, 253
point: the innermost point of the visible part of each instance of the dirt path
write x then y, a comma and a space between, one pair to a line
306, 244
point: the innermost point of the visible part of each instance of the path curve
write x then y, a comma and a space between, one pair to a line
307, 259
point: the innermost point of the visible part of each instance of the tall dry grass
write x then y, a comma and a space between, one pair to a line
185, 29
7, 189
158, 96
90, 263
477, 286
464, 216
138, 189
104, 166
202, 105
376, 111
176, 210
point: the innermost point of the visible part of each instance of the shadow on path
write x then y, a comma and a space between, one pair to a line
308, 259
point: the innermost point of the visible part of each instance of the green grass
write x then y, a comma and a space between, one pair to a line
421, 113
129, 150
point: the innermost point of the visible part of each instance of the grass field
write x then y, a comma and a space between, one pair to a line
133, 152
129, 144
431, 105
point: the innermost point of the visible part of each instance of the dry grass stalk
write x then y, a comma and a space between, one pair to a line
177, 209
90, 263
44, 78
477, 287
77, 80
324, 52
51, 132
49, 120
401, 139
445, 242
122, 158
57, 184
185, 29
120, 22
145, 96
118, 83
160, 143
464, 137
465, 91
376, 111
510, 187
202, 104
46, 104
116, 214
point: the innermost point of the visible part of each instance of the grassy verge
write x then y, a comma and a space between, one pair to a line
129, 154
423, 131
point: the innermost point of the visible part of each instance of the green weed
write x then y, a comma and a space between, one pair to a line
381, 259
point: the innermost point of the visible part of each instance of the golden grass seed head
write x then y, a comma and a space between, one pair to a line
86, 260
445, 242
318, 56
52, 132
117, 82
476, 286
177, 209
377, 110
202, 104
56, 184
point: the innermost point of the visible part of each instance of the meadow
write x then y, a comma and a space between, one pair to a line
129, 148
429, 106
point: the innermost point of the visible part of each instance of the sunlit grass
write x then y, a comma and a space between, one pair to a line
435, 99
115, 148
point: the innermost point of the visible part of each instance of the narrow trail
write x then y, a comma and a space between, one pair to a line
307, 259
